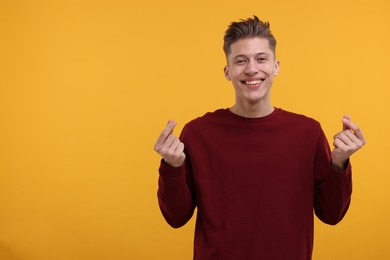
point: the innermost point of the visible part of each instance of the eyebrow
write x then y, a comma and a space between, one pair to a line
244, 56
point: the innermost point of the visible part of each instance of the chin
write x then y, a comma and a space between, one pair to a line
255, 97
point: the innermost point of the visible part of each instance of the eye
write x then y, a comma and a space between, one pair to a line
240, 61
261, 59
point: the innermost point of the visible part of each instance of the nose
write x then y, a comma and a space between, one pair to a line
251, 68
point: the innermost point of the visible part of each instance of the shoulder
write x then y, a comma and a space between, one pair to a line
300, 126
299, 123
208, 118
295, 118
207, 123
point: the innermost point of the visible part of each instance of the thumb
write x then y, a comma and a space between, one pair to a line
346, 119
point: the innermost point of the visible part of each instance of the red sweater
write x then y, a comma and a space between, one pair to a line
254, 182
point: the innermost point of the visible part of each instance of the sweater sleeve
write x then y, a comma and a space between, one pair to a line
176, 195
332, 189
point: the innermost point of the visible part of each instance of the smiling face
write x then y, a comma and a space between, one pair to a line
251, 68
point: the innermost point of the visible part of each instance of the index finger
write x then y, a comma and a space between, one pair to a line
166, 132
350, 125
348, 118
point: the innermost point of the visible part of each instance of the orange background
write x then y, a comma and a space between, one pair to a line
87, 86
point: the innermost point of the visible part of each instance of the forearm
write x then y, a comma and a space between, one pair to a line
333, 195
175, 196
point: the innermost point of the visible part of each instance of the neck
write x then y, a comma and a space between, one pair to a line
252, 110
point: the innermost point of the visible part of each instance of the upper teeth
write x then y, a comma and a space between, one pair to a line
254, 82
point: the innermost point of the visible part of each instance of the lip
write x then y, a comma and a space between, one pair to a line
252, 83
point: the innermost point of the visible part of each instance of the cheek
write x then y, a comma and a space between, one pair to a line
235, 74
269, 70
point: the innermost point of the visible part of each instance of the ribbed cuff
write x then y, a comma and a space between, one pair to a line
342, 174
169, 171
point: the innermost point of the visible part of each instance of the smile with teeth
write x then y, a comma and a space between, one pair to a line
252, 82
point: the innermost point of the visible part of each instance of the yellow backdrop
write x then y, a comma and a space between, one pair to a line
87, 86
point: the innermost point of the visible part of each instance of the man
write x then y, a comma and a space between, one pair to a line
254, 172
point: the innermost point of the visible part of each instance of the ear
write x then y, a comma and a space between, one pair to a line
226, 72
277, 67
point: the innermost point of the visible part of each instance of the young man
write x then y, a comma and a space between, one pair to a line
254, 172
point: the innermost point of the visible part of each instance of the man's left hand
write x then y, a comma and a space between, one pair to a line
346, 143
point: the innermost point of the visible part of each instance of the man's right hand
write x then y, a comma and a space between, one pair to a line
170, 147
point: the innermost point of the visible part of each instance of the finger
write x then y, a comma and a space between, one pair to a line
166, 146
180, 148
345, 117
343, 137
180, 151
175, 156
349, 134
348, 142
174, 145
351, 126
352, 136
164, 134
338, 144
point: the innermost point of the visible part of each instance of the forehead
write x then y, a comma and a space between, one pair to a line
250, 47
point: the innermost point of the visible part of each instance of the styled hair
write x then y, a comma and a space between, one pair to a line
250, 28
